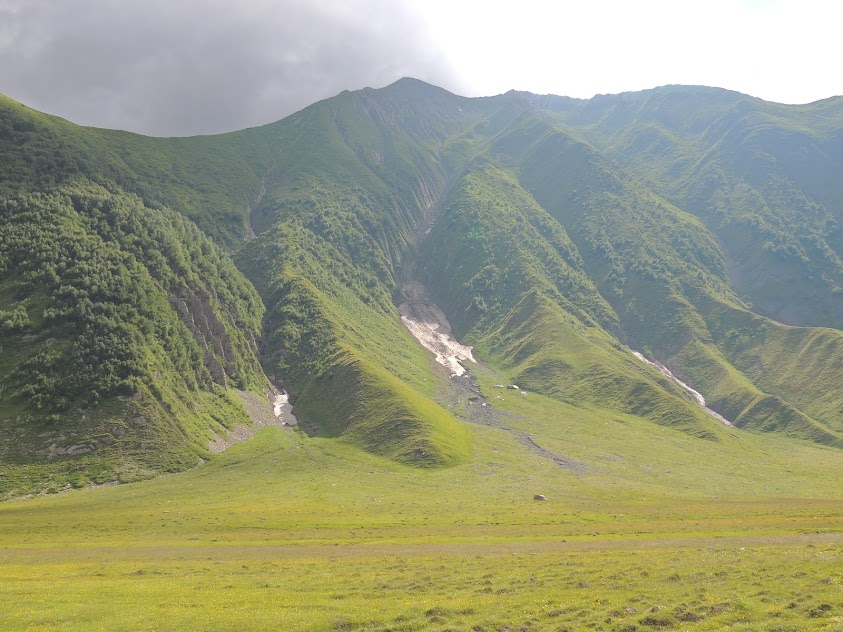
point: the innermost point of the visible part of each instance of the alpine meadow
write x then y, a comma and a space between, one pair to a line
406, 360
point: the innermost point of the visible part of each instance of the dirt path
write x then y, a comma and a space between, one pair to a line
561, 461
462, 396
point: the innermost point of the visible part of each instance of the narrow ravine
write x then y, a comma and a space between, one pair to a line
250, 227
431, 328
695, 394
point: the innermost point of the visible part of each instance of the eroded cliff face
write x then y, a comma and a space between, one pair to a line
198, 309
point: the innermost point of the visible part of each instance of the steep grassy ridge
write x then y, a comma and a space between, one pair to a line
321, 338
665, 277
138, 323
799, 364
335, 229
764, 177
515, 284
212, 179
645, 256
123, 326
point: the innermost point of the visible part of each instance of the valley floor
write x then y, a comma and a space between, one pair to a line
656, 530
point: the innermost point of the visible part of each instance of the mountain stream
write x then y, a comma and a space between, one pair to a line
695, 394
283, 410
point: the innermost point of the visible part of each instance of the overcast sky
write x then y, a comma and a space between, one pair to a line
180, 67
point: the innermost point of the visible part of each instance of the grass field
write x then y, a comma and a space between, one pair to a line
647, 528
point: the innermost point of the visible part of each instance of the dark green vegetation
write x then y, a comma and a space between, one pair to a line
126, 328
697, 225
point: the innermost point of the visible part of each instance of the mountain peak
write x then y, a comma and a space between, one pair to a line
411, 81
414, 87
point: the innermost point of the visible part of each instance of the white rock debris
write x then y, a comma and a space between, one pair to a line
431, 328
281, 408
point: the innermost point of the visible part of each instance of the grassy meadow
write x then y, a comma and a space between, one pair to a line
646, 528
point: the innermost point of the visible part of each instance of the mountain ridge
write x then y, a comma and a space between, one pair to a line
552, 231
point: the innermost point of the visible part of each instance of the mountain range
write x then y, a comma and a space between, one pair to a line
151, 287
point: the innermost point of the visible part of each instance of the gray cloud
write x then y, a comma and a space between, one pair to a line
180, 67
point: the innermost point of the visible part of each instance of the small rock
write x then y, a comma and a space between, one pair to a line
539, 497
513, 387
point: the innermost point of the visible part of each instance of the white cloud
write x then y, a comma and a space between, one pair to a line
781, 50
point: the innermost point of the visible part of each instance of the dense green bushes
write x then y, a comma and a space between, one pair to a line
106, 275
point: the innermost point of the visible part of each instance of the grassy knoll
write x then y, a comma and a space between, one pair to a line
654, 528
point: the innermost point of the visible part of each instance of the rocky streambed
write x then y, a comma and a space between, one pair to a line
431, 328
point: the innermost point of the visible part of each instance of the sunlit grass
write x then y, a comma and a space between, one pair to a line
709, 587
288, 532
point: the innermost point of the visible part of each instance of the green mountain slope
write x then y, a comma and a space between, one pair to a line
670, 281
343, 209
212, 179
683, 222
123, 326
764, 177
515, 283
